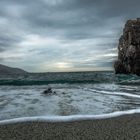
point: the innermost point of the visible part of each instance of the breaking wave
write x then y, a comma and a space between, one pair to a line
71, 78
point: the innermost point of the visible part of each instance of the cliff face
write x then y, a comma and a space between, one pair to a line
129, 49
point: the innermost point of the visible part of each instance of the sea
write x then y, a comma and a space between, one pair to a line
74, 94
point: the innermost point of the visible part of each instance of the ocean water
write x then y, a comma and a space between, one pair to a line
76, 94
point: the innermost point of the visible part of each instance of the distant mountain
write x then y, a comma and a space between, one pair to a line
5, 70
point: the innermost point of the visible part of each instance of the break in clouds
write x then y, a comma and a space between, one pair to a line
62, 35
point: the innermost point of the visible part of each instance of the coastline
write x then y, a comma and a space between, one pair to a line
114, 128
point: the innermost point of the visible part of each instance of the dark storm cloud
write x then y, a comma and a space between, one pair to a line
7, 42
73, 29
78, 19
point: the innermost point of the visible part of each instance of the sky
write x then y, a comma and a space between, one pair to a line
63, 35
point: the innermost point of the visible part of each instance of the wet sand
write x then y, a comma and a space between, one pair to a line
118, 128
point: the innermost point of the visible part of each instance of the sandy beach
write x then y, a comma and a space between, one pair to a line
118, 128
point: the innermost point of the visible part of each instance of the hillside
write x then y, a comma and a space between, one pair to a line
5, 70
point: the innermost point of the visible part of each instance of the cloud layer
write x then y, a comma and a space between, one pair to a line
62, 35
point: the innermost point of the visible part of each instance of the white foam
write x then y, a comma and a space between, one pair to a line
122, 93
116, 93
71, 118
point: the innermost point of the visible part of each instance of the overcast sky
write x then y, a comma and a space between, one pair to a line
62, 35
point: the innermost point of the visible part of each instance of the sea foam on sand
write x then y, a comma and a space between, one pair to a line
70, 118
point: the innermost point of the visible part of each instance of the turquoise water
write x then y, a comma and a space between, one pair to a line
71, 78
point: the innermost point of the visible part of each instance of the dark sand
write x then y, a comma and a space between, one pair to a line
119, 128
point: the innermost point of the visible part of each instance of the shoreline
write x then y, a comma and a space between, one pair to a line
115, 128
71, 118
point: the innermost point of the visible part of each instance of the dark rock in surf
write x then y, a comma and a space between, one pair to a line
48, 91
129, 49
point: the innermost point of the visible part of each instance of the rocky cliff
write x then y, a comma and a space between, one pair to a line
129, 49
